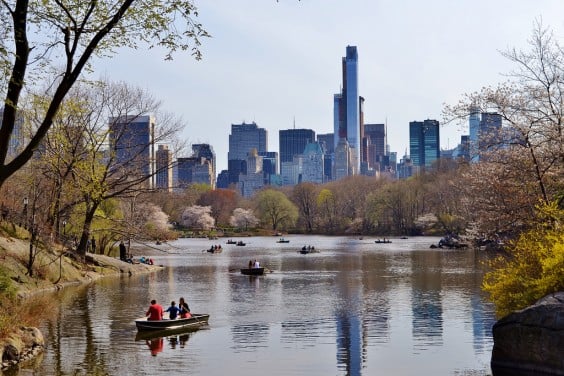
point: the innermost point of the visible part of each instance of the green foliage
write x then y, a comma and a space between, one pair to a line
534, 266
276, 209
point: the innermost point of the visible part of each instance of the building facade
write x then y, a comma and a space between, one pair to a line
424, 142
292, 142
163, 161
132, 143
243, 138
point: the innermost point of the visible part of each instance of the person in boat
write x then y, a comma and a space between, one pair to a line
250, 264
173, 310
184, 309
256, 265
155, 311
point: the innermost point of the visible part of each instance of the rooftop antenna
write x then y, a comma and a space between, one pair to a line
294, 121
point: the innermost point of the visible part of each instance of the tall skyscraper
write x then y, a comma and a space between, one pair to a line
132, 141
347, 109
243, 138
424, 142
163, 161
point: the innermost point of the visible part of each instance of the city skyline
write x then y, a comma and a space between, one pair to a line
273, 62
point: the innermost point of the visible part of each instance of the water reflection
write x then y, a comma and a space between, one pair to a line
352, 309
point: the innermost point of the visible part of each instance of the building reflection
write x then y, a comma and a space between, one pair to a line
426, 303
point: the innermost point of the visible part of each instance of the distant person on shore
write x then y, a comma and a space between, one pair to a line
122, 251
155, 311
184, 309
173, 310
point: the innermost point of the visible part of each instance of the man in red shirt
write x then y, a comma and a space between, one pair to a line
155, 311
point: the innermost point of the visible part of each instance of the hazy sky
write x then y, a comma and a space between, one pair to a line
271, 62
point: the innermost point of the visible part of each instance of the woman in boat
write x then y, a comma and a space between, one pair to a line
184, 309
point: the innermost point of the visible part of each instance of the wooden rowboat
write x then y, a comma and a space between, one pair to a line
197, 320
252, 271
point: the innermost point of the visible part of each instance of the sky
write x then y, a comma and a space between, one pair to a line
278, 63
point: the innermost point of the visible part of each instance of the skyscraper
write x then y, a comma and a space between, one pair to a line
424, 142
132, 141
163, 161
347, 109
243, 138
205, 151
292, 143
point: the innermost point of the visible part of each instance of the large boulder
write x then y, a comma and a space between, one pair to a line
531, 341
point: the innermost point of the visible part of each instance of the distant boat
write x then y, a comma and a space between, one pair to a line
382, 241
309, 249
213, 250
240, 243
231, 241
197, 320
252, 271
282, 240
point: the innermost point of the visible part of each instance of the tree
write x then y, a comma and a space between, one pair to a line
62, 38
525, 162
275, 209
327, 208
107, 167
198, 217
304, 196
222, 202
243, 218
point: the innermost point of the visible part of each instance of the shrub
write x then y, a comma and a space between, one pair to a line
533, 268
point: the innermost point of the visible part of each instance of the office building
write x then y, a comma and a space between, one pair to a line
424, 142
253, 180
195, 170
206, 151
312, 164
132, 142
243, 138
163, 160
292, 142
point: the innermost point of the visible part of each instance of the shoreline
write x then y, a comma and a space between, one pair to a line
24, 344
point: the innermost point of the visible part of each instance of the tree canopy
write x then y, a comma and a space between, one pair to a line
53, 42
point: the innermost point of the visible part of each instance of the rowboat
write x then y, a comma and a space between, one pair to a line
382, 241
282, 240
197, 320
252, 271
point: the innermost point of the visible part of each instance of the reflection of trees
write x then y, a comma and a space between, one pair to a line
249, 337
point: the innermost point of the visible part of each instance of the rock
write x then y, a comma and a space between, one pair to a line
10, 353
531, 341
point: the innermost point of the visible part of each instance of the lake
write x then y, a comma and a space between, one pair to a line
353, 308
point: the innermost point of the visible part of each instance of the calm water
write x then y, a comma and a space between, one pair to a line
354, 308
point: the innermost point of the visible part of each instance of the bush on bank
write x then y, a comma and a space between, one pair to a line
533, 267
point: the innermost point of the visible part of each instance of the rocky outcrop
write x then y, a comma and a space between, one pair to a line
531, 341
21, 346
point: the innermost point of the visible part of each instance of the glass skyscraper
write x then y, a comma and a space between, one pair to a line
346, 110
424, 142
132, 141
244, 138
